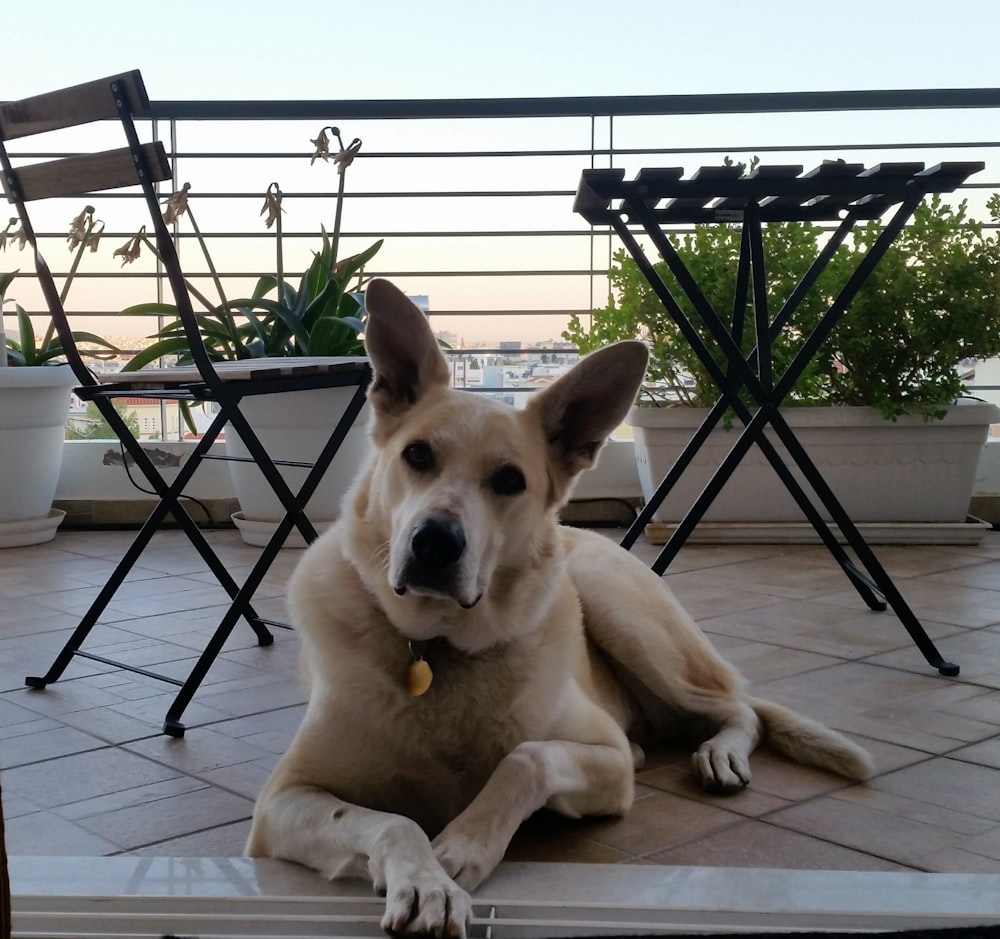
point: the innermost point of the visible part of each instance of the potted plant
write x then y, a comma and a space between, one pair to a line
891, 374
323, 315
34, 405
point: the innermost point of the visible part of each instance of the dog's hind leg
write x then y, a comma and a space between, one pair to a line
663, 659
668, 665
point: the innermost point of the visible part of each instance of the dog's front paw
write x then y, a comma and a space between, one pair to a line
427, 903
720, 769
468, 860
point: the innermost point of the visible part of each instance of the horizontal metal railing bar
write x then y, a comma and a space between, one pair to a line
465, 350
676, 229
139, 317
578, 106
417, 194
606, 151
326, 194
424, 272
444, 233
428, 194
532, 350
387, 233
453, 353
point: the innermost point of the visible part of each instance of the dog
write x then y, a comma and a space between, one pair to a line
470, 660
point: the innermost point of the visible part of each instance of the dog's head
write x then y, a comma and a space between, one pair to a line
462, 489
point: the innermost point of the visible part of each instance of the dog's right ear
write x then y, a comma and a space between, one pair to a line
404, 354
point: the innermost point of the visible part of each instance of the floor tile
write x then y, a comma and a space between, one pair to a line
196, 752
269, 730
549, 837
680, 780
789, 573
13, 716
762, 661
936, 602
199, 810
142, 796
819, 627
250, 698
759, 844
45, 833
966, 789
24, 616
976, 652
868, 828
243, 779
900, 707
45, 745
656, 822
84, 776
985, 753
220, 841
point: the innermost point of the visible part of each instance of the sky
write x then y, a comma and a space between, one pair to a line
331, 49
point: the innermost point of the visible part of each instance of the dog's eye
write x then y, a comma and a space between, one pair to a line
508, 481
419, 456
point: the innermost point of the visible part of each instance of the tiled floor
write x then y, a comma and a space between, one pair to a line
86, 770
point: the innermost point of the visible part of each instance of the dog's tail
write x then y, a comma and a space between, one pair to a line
810, 742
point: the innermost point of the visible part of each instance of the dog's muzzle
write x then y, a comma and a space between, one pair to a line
437, 544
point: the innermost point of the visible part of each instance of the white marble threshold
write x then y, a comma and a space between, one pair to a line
122, 896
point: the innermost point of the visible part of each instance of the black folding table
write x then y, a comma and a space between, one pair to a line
835, 191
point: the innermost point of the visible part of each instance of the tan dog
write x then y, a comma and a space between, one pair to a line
549, 647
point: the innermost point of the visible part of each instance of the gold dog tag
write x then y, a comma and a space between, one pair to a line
418, 678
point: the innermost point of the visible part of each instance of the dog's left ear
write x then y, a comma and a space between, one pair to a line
405, 356
582, 408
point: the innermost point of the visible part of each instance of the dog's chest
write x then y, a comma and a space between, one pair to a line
428, 755
469, 707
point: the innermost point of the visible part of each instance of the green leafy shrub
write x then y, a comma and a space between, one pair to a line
931, 302
711, 255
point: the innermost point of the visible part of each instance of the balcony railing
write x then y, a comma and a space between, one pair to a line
472, 196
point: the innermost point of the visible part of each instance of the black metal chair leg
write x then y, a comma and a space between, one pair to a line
293, 516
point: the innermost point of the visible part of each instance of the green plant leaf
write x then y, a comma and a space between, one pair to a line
146, 309
26, 333
264, 286
6, 279
157, 350
348, 268
334, 336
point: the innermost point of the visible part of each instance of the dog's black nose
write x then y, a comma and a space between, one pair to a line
437, 542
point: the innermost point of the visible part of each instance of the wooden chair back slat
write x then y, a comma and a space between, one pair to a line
70, 107
90, 172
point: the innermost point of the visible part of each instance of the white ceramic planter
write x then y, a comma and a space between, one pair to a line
885, 473
295, 426
34, 405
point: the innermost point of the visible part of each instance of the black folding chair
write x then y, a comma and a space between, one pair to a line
140, 165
